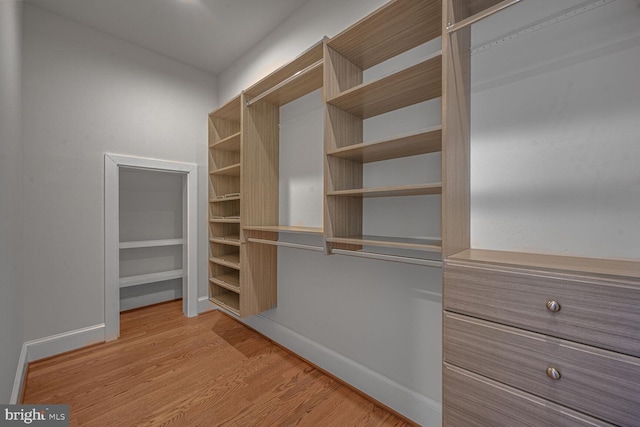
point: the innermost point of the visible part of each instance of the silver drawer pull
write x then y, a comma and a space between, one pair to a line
553, 373
553, 306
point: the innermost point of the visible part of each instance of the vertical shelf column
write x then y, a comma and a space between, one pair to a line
343, 215
259, 183
225, 148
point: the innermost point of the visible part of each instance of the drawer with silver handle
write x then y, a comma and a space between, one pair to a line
470, 400
591, 310
598, 382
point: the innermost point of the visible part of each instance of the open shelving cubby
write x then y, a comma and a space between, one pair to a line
392, 30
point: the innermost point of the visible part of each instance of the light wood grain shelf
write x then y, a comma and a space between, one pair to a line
622, 268
229, 111
230, 143
224, 199
231, 220
227, 299
232, 240
396, 27
227, 281
228, 260
299, 77
285, 229
426, 245
395, 191
425, 142
412, 85
151, 243
144, 279
232, 170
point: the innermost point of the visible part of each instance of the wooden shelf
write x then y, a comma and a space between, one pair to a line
285, 229
227, 281
396, 27
233, 240
620, 268
151, 243
428, 141
229, 111
233, 170
299, 77
231, 143
224, 199
475, 10
227, 299
412, 85
143, 279
228, 260
231, 220
395, 191
427, 245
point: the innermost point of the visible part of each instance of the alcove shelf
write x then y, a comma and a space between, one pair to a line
144, 279
286, 229
151, 243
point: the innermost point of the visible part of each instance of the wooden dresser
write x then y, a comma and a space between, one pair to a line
540, 340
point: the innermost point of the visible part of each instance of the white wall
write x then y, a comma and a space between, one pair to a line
375, 324
10, 195
555, 136
86, 93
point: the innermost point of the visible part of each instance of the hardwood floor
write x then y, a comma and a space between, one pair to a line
211, 370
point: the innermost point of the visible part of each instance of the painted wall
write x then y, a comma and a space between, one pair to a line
10, 195
555, 135
85, 94
375, 324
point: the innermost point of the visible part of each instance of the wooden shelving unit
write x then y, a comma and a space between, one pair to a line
391, 30
225, 199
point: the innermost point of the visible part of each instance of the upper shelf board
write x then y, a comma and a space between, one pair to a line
229, 111
398, 26
301, 76
231, 143
428, 141
412, 85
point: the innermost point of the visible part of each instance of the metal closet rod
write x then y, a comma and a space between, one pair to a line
384, 257
285, 82
287, 244
451, 28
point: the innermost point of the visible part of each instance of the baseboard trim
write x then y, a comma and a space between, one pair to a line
21, 373
51, 346
205, 305
397, 397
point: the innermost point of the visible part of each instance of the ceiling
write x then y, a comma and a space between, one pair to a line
206, 34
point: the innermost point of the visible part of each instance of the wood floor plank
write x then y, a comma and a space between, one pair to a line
211, 370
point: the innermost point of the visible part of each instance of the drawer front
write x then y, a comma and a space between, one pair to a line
598, 382
470, 400
592, 311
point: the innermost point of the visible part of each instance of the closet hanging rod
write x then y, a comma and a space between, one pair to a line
384, 257
451, 28
285, 82
287, 244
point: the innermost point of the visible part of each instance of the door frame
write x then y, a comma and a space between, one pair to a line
112, 165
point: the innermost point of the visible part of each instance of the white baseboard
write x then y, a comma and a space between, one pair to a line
51, 346
21, 372
205, 305
412, 405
